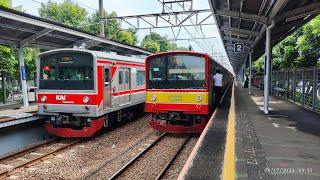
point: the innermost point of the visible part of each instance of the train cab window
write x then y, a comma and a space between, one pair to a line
120, 77
48, 69
106, 77
126, 74
177, 72
140, 77
67, 71
157, 70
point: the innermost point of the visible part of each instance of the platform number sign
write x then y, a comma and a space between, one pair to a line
23, 73
238, 47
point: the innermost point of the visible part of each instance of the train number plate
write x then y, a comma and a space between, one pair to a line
175, 98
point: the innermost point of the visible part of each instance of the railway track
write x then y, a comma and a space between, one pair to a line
32, 155
144, 152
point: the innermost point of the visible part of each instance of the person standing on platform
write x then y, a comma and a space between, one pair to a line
217, 87
246, 81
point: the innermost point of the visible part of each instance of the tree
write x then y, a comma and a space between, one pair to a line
112, 30
125, 37
5, 3
164, 43
68, 12
300, 49
151, 46
155, 37
9, 61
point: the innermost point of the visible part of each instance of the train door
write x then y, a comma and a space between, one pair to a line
121, 86
127, 85
106, 88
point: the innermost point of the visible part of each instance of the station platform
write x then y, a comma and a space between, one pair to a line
282, 145
11, 117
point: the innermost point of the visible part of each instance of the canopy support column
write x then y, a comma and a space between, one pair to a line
23, 78
250, 71
267, 68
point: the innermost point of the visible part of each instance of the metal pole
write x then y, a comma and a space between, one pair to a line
314, 88
267, 68
102, 18
4, 87
250, 71
23, 78
303, 93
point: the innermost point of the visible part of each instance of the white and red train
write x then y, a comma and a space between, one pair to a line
82, 91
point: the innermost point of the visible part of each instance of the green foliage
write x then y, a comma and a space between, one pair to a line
162, 41
68, 12
112, 30
151, 46
301, 49
9, 61
5, 3
257, 66
30, 58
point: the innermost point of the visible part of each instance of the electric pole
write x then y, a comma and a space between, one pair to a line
102, 18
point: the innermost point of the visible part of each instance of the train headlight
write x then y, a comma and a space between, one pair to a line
198, 98
86, 99
153, 97
43, 98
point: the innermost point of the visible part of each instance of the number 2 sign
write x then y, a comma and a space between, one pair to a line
238, 47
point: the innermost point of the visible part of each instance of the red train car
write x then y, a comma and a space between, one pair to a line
179, 90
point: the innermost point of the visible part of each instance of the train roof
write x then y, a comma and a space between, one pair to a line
99, 54
178, 52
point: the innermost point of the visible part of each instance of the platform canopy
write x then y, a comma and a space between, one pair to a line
245, 21
20, 29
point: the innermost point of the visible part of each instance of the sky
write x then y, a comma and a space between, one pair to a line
213, 46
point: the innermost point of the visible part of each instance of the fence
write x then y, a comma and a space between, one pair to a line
302, 85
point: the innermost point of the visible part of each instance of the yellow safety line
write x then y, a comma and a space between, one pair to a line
229, 153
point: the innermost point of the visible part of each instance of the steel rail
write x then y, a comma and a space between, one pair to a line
35, 160
27, 150
174, 156
126, 166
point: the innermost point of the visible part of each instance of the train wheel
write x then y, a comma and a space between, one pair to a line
106, 121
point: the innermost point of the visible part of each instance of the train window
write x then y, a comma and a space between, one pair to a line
120, 77
106, 76
67, 71
126, 74
140, 76
48, 69
178, 72
157, 69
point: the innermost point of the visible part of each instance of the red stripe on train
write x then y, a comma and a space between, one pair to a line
119, 93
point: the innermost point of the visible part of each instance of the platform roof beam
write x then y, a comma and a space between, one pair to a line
242, 15
34, 37
239, 31
230, 39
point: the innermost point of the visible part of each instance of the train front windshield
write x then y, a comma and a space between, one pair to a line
177, 72
67, 71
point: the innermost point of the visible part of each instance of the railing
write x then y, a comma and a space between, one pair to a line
302, 86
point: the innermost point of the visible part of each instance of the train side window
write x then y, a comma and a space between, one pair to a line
126, 74
106, 76
140, 78
120, 77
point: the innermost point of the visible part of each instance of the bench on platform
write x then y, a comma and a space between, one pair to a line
280, 92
